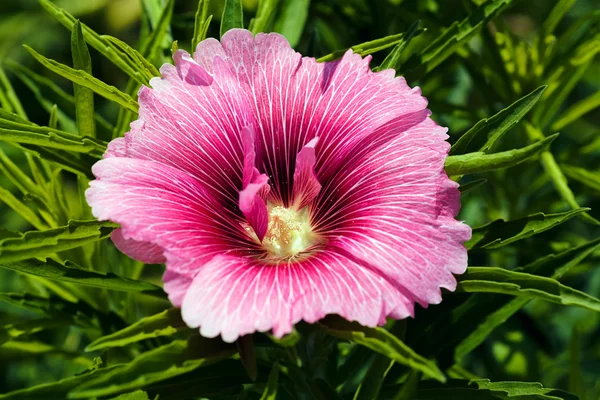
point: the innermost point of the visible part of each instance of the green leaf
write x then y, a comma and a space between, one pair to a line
49, 93
393, 60
168, 361
264, 16
471, 163
16, 330
270, 392
502, 281
56, 390
148, 69
291, 19
8, 98
137, 395
45, 243
27, 213
556, 175
166, 323
383, 342
583, 176
233, 16
501, 233
42, 136
558, 12
370, 47
201, 22
483, 389
69, 272
84, 97
371, 384
245, 345
19, 178
554, 266
576, 111
409, 386
86, 80
453, 38
467, 187
151, 47
96, 41
486, 132
289, 340
53, 120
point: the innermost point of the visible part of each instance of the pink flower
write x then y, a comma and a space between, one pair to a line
279, 189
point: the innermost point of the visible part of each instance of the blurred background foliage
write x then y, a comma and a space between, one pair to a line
523, 48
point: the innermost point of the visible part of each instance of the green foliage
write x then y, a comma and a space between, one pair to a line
503, 75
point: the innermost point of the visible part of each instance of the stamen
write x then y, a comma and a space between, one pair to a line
289, 232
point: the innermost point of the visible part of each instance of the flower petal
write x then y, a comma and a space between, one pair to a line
296, 99
306, 185
234, 296
159, 204
145, 252
176, 286
254, 207
407, 231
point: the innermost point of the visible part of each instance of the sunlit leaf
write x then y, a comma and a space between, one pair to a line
502, 281
394, 58
201, 22
471, 163
8, 98
265, 16
291, 19
84, 97
166, 323
501, 233
576, 111
270, 392
86, 80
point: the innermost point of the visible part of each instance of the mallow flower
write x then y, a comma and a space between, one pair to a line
278, 189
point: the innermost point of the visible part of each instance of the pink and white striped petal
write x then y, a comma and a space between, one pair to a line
234, 296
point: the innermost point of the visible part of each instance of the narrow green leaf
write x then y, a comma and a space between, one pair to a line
556, 175
501, 233
291, 19
483, 313
29, 134
166, 323
49, 93
558, 11
471, 163
53, 120
19, 178
151, 47
95, 40
137, 395
393, 60
483, 389
147, 68
371, 384
370, 47
16, 330
84, 97
86, 80
17, 206
383, 342
8, 98
265, 14
233, 16
576, 111
474, 184
502, 281
409, 386
69, 272
201, 21
45, 243
453, 38
486, 132
56, 390
583, 176
174, 359
289, 340
270, 392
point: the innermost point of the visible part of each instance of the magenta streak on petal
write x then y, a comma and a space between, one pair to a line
306, 184
189, 70
255, 188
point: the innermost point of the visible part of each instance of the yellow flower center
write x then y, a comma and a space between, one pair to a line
289, 232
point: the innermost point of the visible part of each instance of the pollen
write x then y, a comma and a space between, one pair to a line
289, 232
